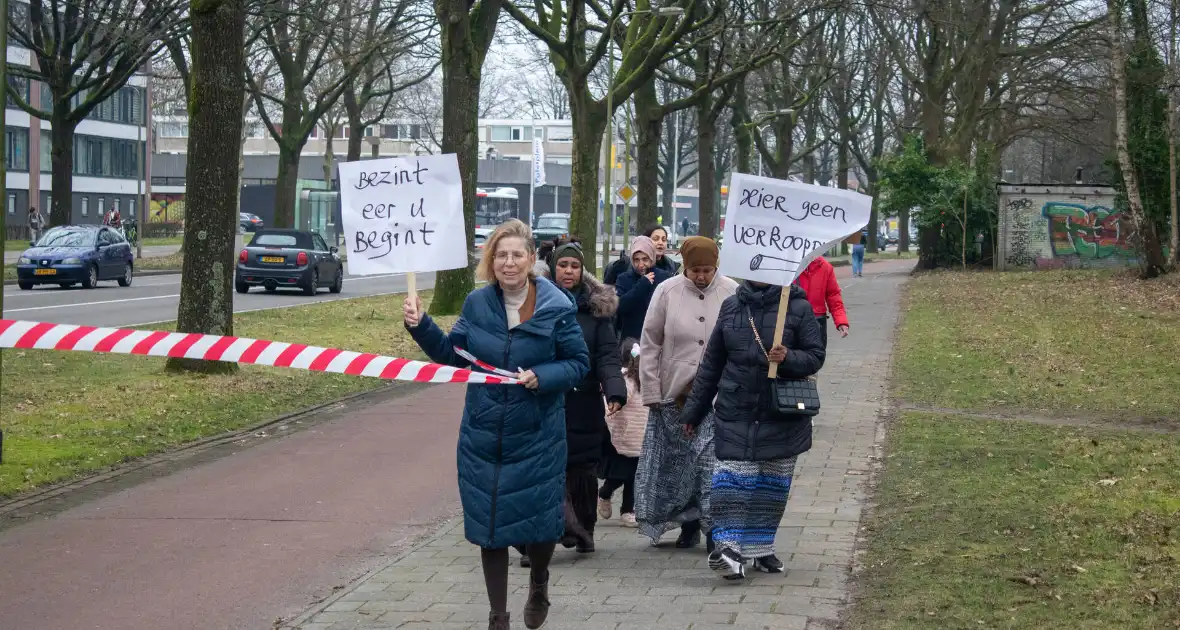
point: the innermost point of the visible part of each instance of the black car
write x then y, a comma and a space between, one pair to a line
289, 258
250, 222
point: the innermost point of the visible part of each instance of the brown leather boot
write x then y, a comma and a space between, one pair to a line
536, 607
498, 621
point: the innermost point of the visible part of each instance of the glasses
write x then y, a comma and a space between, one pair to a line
514, 256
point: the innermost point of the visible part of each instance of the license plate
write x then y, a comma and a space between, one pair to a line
274, 259
44, 272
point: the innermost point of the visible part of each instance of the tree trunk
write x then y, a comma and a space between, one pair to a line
707, 169
285, 185
62, 177
356, 128
356, 133
462, 66
742, 136
649, 120
1151, 260
589, 123
329, 154
211, 224
1173, 183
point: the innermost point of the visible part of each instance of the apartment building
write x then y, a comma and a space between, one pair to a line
498, 139
109, 147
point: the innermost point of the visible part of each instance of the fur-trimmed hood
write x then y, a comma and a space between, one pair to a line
597, 298
594, 297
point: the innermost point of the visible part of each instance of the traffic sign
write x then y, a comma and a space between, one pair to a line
626, 192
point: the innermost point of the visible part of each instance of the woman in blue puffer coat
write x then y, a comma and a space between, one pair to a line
512, 451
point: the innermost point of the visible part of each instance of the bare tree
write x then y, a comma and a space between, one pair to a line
564, 27
303, 41
85, 52
218, 66
467, 30
409, 58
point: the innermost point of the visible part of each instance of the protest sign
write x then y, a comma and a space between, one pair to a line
774, 227
403, 215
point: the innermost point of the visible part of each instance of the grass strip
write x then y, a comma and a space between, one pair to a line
71, 413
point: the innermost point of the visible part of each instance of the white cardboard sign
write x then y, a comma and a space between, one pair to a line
402, 215
774, 227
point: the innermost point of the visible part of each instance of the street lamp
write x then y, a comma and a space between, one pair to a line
762, 121
608, 164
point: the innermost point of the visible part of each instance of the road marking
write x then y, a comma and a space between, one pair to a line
45, 308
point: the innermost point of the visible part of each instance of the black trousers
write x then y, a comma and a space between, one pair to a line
610, 485
823, 329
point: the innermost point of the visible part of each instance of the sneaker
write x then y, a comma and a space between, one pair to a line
628, 520
728, 564
769, 564
604, 509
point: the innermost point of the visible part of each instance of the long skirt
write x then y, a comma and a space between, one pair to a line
748, 502
581, 500
672, 483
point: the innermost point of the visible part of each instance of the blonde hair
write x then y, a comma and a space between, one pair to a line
508, 229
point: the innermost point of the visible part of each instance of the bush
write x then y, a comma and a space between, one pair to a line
162, 229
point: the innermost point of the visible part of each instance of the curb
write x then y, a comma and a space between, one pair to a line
138, 274
34, 497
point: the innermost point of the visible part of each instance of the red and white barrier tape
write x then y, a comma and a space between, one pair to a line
159, 343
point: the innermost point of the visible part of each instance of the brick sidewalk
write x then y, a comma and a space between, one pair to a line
628, 584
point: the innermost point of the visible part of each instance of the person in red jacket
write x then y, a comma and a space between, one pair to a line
819, 281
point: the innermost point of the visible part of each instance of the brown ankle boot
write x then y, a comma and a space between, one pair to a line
536, 607
498, 621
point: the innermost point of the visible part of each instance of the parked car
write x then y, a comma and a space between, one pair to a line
250, 222
551, 227
481, 236
76, 254
289, 259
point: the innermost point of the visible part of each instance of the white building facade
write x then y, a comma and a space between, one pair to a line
110, 150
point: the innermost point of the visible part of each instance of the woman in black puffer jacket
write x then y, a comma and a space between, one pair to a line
585, 409
756, 447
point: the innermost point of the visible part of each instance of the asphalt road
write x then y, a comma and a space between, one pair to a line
152, 299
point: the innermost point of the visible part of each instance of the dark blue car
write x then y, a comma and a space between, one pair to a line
76, 254
284, 258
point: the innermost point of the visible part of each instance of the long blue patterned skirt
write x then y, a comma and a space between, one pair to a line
747, 504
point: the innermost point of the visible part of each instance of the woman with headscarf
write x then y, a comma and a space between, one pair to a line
756, 444
636, 286
585, 410
512, 442
673, 478
659, 237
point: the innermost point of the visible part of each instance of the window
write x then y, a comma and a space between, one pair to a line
117, 204
16, 148
561, 134
102, 206
275, 240
105, 157
11, 204
320, 245
173, 130
501, 134
401, 132
85, 206
21, 85
47, 152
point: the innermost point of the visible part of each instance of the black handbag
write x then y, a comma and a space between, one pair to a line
789, 396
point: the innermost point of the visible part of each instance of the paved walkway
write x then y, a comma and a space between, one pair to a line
628, 584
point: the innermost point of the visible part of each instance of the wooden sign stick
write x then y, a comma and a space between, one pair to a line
411, 284
780, 323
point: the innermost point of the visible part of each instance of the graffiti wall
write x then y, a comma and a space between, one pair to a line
1052, 227
167, 207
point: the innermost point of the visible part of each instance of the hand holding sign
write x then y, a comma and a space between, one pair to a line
777, 227
400, 215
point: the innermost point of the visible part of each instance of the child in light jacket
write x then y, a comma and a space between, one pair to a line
621, 451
